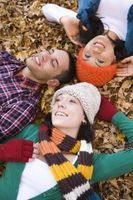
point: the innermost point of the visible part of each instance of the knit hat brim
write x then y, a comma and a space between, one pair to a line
98, 76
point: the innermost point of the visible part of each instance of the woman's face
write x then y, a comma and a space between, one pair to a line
67, 114
99, 52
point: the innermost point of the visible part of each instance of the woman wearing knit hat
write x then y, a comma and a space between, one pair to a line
67, 166
98, 19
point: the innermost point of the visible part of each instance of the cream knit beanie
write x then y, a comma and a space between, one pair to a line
87, 94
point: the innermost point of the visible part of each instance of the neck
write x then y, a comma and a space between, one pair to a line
71, 132
25, 72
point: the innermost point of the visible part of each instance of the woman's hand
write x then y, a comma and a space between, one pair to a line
107, 110
35, 151
125, 67
71, 26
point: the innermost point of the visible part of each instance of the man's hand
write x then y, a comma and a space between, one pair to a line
125, 67
71, 26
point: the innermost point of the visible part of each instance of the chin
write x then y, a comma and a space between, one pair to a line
58, 125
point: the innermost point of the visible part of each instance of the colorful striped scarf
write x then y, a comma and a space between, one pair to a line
73, 181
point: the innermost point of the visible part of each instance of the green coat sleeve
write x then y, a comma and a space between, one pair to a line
110, 165
124, 124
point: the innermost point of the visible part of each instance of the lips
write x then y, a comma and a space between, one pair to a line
99, 44
62, 114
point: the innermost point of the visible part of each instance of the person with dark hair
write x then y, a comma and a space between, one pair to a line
107, 35
67, 167
20, 88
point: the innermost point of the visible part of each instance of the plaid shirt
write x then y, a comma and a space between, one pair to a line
19, 97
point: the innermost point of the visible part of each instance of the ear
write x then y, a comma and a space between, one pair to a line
84, 122
53, 83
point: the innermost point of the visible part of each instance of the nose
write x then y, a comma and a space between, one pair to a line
61, 104
97, 48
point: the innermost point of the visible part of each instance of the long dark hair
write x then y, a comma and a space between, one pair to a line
95, 28
120, 50
85, 130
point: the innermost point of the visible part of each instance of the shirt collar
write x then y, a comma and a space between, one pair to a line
28, 83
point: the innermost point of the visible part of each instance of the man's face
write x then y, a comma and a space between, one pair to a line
46, 65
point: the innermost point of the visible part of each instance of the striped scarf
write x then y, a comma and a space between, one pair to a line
73, 181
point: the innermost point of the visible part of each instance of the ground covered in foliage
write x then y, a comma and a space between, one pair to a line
24, 31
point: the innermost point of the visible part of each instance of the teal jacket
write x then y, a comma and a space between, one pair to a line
106, 166
88, 7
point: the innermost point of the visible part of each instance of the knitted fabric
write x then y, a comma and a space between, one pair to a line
88, 96
107, 110
16, 150
98, 76
72, 181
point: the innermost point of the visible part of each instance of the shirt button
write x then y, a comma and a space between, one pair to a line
44, 195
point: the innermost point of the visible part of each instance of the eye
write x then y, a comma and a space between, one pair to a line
57, 99
87, 56
54, 62
100, 61
72, 101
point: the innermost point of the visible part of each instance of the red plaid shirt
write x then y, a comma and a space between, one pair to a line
19, 97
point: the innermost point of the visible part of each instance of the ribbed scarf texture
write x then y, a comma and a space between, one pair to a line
73, 181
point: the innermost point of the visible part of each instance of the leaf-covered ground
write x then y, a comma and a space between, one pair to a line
24, 31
